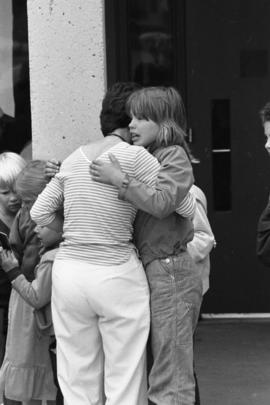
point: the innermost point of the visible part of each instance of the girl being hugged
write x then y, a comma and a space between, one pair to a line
158, 123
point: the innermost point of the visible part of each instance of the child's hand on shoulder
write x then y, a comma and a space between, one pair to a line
52, 167
8, 260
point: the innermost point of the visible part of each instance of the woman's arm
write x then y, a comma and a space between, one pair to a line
43, 211
173, 182
187, 207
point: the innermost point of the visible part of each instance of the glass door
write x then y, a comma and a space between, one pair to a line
15, 116
142, 38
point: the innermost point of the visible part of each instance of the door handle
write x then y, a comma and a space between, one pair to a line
220, 150
190, 135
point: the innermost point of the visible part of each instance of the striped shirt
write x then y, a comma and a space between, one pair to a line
187, 207
98, 226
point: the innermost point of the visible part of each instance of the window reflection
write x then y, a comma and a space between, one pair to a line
15, 116
151, 42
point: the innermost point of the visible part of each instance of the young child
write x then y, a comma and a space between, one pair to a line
10, 166
203, 241
38, 292
26, 373
158, 122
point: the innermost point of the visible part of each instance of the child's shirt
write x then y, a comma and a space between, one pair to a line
38, 292
203, 241
24, 242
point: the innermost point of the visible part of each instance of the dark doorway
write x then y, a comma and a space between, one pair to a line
228, 82
217, 55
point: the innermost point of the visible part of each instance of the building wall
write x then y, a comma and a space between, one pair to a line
67, 73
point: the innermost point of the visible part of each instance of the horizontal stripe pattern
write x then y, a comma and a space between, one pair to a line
98, 226
187, 207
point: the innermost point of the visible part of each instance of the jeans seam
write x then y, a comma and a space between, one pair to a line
176, 367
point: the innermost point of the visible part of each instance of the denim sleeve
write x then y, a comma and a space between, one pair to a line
174, 179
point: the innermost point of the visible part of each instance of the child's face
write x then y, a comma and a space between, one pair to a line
48, 236
143, 132
9, 201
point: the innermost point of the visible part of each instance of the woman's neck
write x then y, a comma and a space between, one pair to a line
122, 133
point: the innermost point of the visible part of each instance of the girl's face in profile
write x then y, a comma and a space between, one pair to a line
47, 236
143, 132
9, 201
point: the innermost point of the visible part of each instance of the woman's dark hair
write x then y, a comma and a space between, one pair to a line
113, 113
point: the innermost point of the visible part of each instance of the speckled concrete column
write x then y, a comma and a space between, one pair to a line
67, 73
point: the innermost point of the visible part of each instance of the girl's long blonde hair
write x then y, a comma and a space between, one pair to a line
164, 106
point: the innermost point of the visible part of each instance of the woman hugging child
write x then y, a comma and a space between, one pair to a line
158, 123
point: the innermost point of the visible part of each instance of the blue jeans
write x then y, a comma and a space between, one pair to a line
175, 298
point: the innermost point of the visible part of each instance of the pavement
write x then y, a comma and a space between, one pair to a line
232, 359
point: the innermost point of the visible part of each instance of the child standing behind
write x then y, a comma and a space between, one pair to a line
203, 241
26, 373
38, 292
10, 166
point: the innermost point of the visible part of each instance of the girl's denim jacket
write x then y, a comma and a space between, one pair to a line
158, 230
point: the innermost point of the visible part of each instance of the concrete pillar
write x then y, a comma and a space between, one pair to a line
67, 73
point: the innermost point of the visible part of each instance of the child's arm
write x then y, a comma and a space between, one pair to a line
174, 180
36, 293
203, 240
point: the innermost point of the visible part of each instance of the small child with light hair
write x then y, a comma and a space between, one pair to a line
11, 165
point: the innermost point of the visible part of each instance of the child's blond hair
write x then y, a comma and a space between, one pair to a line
11, 164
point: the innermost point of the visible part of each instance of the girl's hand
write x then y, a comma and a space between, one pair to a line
8, 260
107, 173
52, 167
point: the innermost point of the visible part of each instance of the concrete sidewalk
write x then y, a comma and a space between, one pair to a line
233, 362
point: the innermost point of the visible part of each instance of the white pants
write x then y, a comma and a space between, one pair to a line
101, 320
